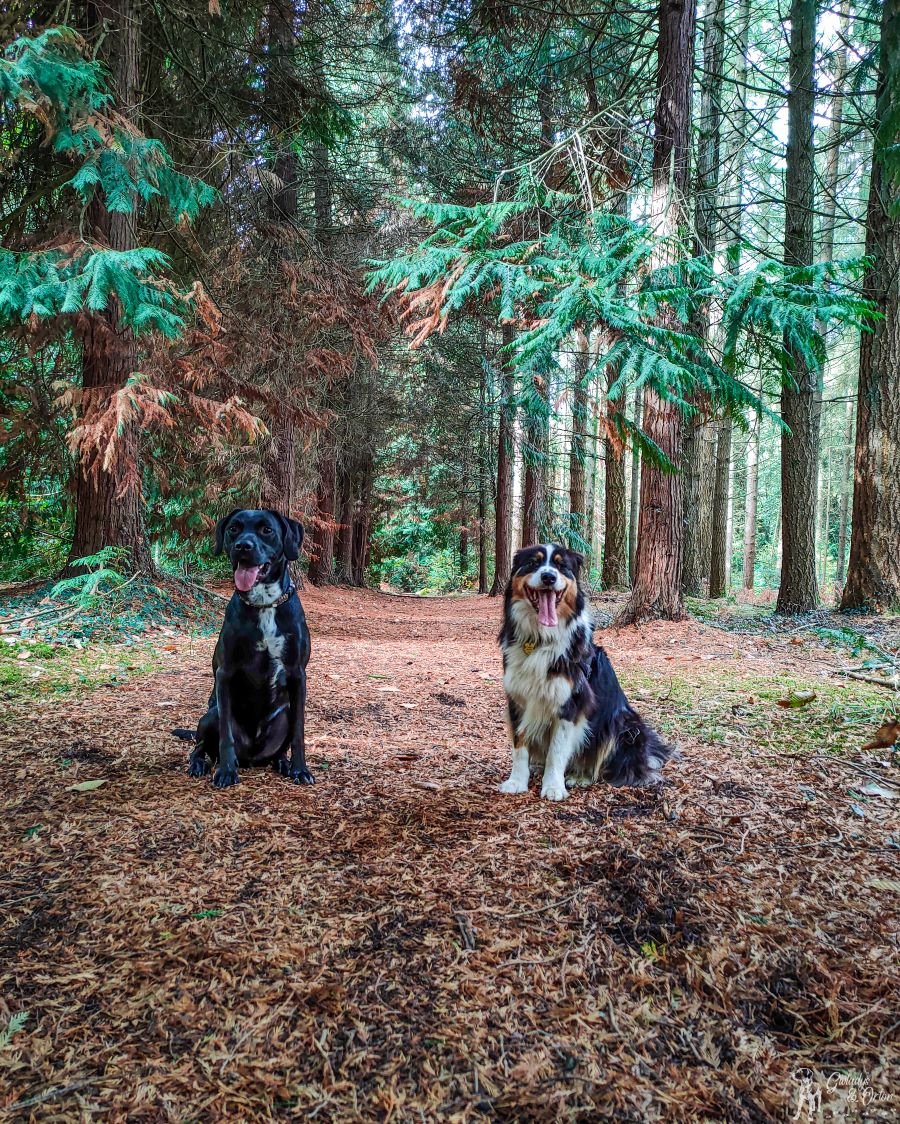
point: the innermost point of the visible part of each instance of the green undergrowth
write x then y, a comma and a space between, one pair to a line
38, 669
717, 706
118, 611
65, 638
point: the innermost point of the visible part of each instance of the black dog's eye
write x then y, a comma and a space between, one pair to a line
268, 532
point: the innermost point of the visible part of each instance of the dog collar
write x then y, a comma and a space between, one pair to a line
286, 596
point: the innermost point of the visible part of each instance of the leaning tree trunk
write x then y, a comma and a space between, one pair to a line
581, 416
658, 562
635, 492
799, 591
505, 462
873, 573
483, 468
108, 501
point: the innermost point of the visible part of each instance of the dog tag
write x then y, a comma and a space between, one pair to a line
528, 648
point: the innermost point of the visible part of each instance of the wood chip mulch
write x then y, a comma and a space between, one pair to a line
400, 942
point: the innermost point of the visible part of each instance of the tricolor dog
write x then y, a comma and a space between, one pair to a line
567, 713
256, 709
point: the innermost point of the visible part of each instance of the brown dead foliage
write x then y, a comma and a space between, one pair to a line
399, 942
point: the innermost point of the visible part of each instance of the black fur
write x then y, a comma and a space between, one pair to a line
256, 709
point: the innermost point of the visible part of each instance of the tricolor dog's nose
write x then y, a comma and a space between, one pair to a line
548, 577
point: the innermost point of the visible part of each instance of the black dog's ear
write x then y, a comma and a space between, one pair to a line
291, 535
220, 529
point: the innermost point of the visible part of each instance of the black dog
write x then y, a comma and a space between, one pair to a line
567, 713
257, 705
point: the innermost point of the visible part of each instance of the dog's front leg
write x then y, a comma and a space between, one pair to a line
566, 740
227, 772
297, 695
517, 781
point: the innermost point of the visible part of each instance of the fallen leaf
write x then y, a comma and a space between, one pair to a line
875, 788
885, 736
86, 786
798, 698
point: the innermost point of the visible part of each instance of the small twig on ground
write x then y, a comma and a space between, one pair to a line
53, 1093
465, 929
891, 684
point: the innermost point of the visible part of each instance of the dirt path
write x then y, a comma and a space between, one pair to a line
399, 942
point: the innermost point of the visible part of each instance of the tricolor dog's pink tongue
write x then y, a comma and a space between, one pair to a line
245, 576
547, 608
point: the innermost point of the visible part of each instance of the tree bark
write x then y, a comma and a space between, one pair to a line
321, 562
483, 468
505, 461
718, 564
534, 490
844, 511
659, 555
613, 574
634, 508
873, 573
108, 501
581, 415
750, 503
799, 592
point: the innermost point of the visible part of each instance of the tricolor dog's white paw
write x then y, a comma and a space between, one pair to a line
513, 786
554, 790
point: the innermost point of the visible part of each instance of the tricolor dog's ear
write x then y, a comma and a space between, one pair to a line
220, 529
576, 561
291, 536
520, 558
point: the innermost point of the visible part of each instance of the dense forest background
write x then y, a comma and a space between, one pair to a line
443, 278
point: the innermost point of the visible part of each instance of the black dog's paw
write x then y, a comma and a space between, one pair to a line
198, 767
225, 778
302, 776
281, 766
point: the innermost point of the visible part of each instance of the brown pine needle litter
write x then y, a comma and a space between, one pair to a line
401, 943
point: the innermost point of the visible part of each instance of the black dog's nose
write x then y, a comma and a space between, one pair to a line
548, 577
244, 546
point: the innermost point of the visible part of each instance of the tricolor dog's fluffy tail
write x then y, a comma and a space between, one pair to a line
185, 735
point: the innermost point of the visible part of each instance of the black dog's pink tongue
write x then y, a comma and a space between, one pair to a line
245, 576
547, 608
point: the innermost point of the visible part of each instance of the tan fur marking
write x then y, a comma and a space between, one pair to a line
566, 607
518, 588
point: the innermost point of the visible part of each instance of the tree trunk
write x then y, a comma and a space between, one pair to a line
635, 492
344, 539
581, 415
844, 510
483, 469
613, 574
873, 574
718, 564
278, 471
108, 501
505, 462
659, 555
750, 503
799, 592
321, 562
534, 491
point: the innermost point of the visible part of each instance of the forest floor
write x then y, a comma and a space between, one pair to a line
402, 943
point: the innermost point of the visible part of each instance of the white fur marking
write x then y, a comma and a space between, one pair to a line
567, 740
272, 641
518, 778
